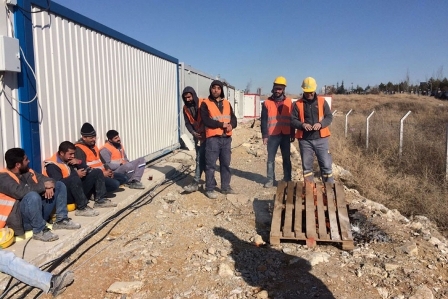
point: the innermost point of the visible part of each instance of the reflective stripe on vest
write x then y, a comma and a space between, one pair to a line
65, 170
92, 159
6, 201
117, 155
323, 132
215, 114
279, 123
196, 123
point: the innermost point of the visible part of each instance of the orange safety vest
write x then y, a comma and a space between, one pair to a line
65, 169
92, 159
215, 114
6, 201
117, 155
279, 123
197, 123
324, 132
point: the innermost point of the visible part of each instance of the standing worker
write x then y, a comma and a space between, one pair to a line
276, 130
311, 116
193, 122
219, 120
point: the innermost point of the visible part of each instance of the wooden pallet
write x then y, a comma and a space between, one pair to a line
312, 213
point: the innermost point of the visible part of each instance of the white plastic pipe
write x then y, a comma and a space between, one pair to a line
346, 121
367, 128
401, 133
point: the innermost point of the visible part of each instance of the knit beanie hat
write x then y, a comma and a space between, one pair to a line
111, 134
87, 130
219, 83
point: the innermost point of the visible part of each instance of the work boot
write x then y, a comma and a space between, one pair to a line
87, 212
104, 203
45, 235
136, 185
211, 194
192, 187
66, 223
269, 184
59, 282
228, 191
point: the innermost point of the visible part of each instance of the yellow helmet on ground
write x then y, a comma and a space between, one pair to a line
309, 85
280, 81
6, 237
71, 207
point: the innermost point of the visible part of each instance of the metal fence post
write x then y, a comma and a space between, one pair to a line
401, 133
446, 164
367, 129
346, 121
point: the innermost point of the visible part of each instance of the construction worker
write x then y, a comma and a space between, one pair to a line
38, 196
115, 158
63, 166
276, 130
89, 154
311, 116
219, 121
33, 276
196, 128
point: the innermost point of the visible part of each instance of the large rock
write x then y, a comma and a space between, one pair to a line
422, 292
125, 287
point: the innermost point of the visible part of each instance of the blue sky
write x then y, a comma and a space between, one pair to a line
359, 42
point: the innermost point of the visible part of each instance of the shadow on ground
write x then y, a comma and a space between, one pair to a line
281, 275
263, 216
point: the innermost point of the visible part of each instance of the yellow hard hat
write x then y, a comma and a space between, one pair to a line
6, 237
280, 81
309, 85
71, 207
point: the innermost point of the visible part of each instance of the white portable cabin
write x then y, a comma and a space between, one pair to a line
252, 107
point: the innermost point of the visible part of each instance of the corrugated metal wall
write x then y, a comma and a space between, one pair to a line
86, 76
9, 120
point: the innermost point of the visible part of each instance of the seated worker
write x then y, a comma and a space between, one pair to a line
89, 154
38, 196
114, 156
63, 166
33, 276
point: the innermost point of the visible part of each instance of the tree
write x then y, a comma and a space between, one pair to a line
341, 89
359, 89
439, 74
390, 86
406, 81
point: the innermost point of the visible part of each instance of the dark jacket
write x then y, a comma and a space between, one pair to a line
209, 122
264, 117
311, 115
193, 107
54, 172
80, 155
213, 124
26, 184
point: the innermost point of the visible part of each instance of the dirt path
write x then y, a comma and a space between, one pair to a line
176, 245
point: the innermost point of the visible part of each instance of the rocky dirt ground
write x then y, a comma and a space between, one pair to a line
174, 245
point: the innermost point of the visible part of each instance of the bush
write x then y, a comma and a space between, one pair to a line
414, 184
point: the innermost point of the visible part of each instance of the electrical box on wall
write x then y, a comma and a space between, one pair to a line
9, 54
